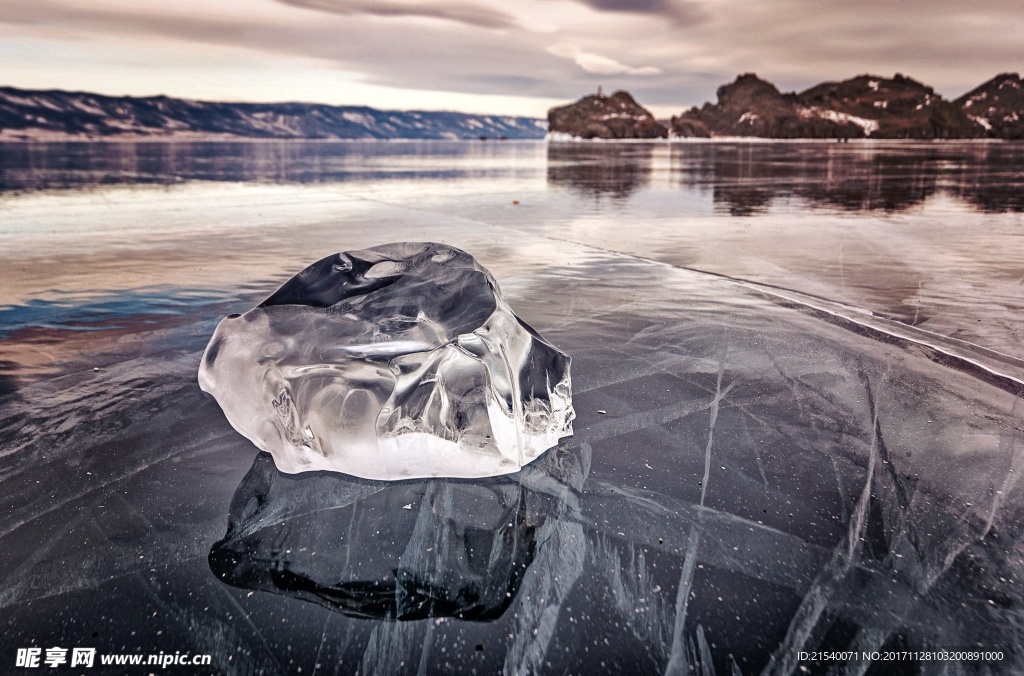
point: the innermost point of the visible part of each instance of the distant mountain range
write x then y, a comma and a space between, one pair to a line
863, 106
60, 115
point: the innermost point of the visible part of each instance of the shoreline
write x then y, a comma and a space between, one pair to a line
559, 139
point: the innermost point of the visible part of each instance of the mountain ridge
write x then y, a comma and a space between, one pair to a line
61, 115
997, 105
864, 106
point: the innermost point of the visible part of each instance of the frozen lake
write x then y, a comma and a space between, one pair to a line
797, 371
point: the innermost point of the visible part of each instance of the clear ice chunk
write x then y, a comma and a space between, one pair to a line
394, 362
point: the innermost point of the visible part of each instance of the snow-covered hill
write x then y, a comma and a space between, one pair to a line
997, 105
58, 114
863, 106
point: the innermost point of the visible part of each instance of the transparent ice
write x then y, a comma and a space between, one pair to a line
394, 362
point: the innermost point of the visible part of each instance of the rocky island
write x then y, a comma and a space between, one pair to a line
617, 116
997, 106
866, 106
862, 106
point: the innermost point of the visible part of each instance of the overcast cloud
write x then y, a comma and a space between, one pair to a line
490, 56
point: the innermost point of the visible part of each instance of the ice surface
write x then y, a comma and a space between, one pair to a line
394, 362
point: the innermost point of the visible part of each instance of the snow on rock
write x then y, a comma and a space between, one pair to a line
867, 125
982, 121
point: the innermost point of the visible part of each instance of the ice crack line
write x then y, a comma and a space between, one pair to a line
719, 395
844, 557
677, 663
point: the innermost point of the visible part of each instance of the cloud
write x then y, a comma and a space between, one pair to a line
458, 12
639, 6
597, 64
678, 11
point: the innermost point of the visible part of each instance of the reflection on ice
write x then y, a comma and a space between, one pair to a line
748, 178
396, 551
592, 171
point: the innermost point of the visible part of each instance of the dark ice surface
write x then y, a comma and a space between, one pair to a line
756, 471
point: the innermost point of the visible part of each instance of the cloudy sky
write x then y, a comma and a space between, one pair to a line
518, 56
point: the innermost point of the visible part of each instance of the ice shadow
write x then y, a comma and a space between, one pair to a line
405, 550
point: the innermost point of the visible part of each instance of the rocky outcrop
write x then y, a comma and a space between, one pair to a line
859, 107
997, 106
617, 116
61, 115
892, 108
751, 106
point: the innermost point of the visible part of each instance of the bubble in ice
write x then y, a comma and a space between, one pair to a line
393, 362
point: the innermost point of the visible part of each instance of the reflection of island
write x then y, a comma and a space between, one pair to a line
389, 550
746, 178
886, 177
56, 166
599, 170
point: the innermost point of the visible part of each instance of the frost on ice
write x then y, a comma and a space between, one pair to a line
398, 361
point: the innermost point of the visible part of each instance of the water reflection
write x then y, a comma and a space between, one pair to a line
52, 166
743, 178
747, 178
598, 170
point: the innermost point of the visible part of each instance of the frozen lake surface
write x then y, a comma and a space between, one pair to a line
797, 372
